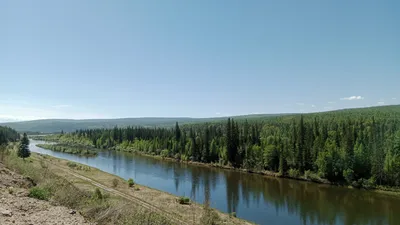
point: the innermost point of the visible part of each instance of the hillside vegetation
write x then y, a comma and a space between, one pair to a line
7, 135
360, 147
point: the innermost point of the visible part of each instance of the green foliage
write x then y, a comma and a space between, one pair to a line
184, 200
23, 148
39, 193
65, 193
364, 183
131, 183
233, 214
164, 153
392, 162
341, 146
97, 195
295, 173
7, 135
70, 148
348, 175
309, 175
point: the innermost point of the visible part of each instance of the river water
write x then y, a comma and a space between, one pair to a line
260, 199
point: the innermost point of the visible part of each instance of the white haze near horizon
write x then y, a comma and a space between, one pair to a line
22, 114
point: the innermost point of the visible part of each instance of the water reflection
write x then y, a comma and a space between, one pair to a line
263, 200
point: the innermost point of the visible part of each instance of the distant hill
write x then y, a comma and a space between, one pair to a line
68, 125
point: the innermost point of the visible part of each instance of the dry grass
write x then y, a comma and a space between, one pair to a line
80, 195
193, 213
76, 193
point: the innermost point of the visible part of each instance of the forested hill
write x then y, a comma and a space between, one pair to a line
360, 147
68, 125
7, 135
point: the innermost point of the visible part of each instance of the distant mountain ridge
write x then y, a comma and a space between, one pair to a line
69, 125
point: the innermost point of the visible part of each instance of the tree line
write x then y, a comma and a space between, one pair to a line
7, 135
361, 148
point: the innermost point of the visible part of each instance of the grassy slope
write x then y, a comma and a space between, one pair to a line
55, 175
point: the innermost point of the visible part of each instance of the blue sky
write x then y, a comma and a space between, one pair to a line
107, 59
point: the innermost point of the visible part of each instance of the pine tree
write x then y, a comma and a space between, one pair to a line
349, 147
177, 132
23, 149
378, 156
206, 149
229, 142
235, 137
300, 145
246, 132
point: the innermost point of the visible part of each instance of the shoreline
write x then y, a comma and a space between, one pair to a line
159, 199
377, 189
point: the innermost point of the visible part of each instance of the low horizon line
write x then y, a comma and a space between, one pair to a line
188, 117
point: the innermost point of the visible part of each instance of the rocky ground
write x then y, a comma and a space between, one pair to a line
17, 208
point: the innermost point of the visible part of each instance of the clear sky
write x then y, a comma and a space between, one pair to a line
107, 59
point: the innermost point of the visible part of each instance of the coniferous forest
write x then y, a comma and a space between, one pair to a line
7, 135
360, 147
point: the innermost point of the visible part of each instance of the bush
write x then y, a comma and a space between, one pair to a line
97, 194
364, 183
184, 200
294, 173
184, 158
137, 189
131, 182
348, 175
309, 175
177, 156
39, 193
115, 182
233, 214
72, 164
164, 153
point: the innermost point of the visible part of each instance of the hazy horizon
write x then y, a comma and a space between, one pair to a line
187, 117
102, 59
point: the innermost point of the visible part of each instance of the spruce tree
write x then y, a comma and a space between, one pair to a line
229, 142
177, 132
300, 145
23, 149
206, 147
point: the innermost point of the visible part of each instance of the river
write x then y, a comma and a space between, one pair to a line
256, 198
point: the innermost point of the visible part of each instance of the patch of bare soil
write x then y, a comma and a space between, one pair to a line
17, 208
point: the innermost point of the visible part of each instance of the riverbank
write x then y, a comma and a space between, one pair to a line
154, 203
307, 177
72, 149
